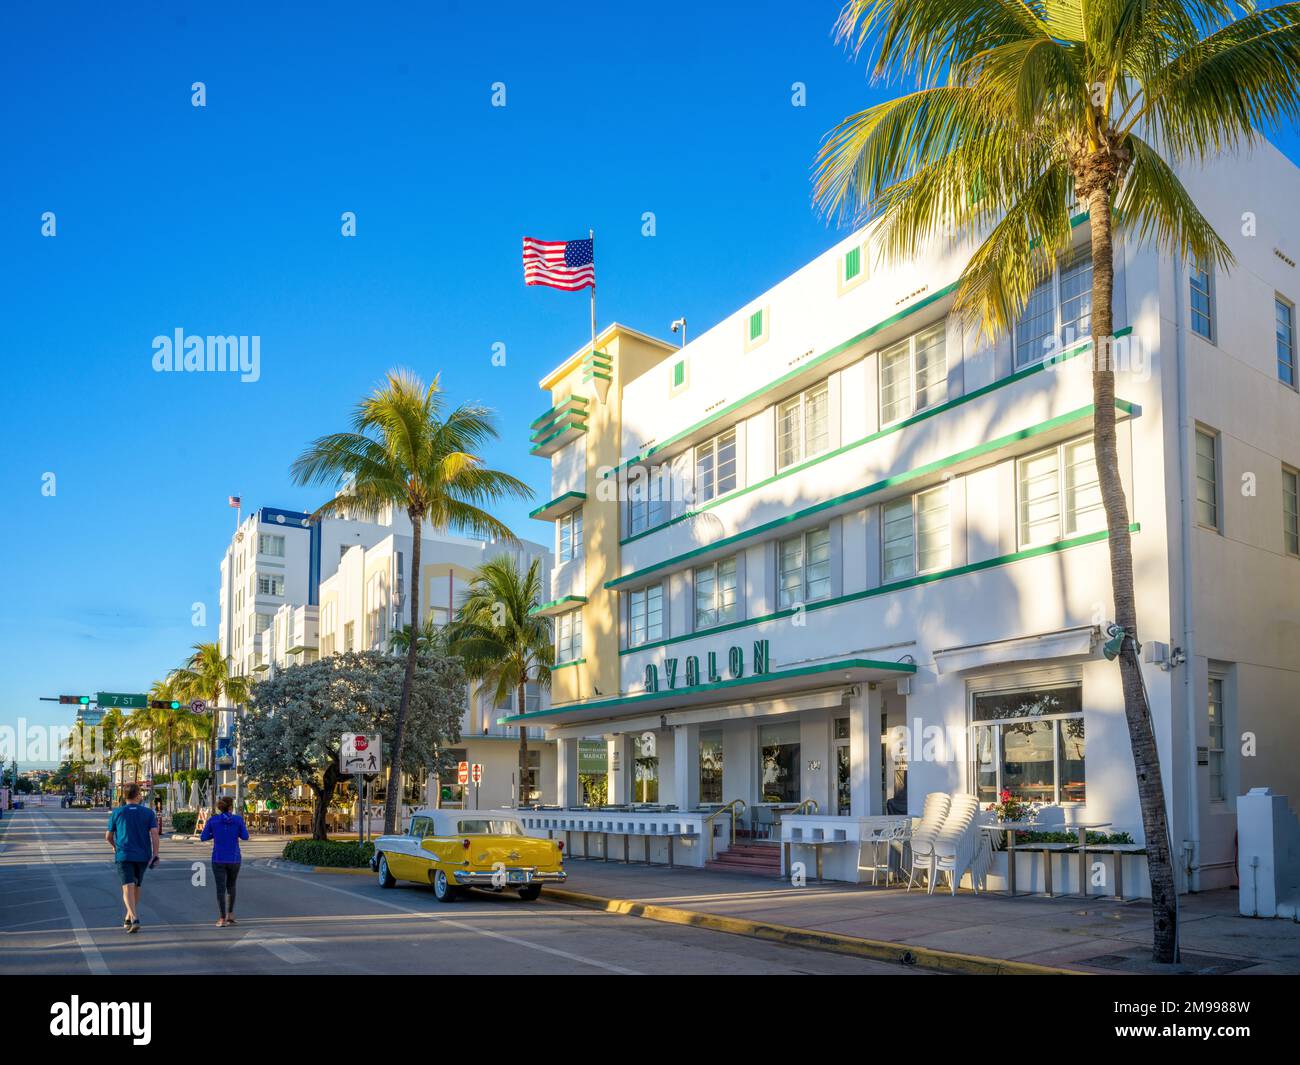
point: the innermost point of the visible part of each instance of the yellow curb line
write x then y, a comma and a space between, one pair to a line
336, 869
877, 949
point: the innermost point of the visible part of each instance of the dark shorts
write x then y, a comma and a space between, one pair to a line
132, 872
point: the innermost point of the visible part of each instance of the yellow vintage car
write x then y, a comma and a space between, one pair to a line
458, 849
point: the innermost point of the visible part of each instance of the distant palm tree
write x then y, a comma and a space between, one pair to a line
431, 636
206, 675
111, 726
147, 723
406, 450
130, 752
505, 645
1025, 109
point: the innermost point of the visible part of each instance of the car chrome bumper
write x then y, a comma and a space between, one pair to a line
513, 877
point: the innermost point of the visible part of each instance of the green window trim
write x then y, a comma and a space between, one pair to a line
679, 373
930, 412
852, 263
756, 325
867, 490
799, 371
566, 665
893, 586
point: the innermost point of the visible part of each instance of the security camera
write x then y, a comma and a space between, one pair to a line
679, 324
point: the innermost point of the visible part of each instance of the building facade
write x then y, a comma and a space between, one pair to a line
841, 548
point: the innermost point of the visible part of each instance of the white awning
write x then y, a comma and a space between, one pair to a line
1063, 643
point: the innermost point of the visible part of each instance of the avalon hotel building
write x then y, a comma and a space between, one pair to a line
838, 548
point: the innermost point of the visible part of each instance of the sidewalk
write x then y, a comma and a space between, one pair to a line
1093, 935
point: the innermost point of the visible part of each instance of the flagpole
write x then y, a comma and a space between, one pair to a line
591, 234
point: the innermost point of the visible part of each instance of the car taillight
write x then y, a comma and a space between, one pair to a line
560, 843
465, 843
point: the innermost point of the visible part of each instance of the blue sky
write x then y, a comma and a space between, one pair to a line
226, 220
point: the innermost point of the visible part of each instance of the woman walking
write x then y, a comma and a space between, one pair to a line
225, 830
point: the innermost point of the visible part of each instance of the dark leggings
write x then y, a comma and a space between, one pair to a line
225, 873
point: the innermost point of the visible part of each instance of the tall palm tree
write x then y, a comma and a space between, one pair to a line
146, 723
168, 724
1024, 109
431, 636
206, 675
505, 645
111, 726
130, 752
406, 450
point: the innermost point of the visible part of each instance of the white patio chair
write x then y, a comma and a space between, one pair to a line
882, 836
933, 815
957, 845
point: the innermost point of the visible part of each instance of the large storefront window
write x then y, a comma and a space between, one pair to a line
1029, 742
645, 781
711, 766
779, 754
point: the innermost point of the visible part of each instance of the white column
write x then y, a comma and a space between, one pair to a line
686, 766
622, 764
566, 772
864, 754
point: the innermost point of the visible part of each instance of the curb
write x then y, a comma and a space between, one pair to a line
833, 942
298, 867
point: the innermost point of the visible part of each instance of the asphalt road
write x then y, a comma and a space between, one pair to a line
61, 913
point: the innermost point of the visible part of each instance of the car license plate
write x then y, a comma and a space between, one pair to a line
516, 876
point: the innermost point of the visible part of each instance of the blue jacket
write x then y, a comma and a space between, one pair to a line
225, 831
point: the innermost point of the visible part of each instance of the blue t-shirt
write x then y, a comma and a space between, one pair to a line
225, 831
131, 825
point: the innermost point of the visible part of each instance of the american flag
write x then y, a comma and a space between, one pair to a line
564, 264
234, 501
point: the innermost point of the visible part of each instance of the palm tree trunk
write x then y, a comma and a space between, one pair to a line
1137, 712
523, 750
393, 795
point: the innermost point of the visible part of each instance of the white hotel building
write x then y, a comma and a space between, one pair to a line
882, 522
293, 590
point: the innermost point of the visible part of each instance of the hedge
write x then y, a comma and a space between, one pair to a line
333, 853
183, 822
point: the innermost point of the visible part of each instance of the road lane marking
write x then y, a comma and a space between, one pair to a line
580, 959
281, 946
88, 949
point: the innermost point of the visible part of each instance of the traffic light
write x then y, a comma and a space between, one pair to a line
164, 704
75, 700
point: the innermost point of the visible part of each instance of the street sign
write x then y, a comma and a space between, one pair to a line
123, 701
198, 706
361, 753
476, 773
462, 773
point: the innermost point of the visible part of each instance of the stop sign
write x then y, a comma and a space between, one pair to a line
462, 773
361, 743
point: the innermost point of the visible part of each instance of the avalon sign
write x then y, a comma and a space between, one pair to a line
693, 678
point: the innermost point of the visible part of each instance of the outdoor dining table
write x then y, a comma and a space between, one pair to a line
1012, 827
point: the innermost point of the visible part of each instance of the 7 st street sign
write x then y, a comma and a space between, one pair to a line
122, 700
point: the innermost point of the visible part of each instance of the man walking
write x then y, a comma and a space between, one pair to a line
133, 832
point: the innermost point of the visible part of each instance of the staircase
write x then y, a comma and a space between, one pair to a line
757, 859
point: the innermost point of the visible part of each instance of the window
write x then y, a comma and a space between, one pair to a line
261, 622
1059, 494
645, 615
1207, 479
534, 775
568, 636
913, 374
1058, 312
804, 567
778, 747
645, 782
711, 766
349, 633
679, 379
915, 534
1202, 300
1285, 313
1218, 791
755, 328
715, 593
270, 585
803, 426
852, 263
715, 466
1290, 511
1029, 742
570, 530
270, 544
647, 499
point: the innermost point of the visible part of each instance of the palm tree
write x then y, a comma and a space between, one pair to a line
147, 722
407, 450
111, 726
168, 725
1023, 110
505, 645
206, 675
130, 752
431, 636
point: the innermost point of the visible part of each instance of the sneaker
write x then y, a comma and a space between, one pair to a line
126, 922
135, 926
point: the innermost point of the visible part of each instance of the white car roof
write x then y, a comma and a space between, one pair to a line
447, 822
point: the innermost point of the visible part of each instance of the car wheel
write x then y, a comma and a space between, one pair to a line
386, 878
443, 889
530, 893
